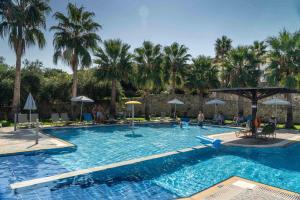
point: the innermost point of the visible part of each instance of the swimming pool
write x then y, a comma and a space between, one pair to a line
166, 178
109, 144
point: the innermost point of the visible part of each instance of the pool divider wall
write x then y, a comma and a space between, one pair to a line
145, 167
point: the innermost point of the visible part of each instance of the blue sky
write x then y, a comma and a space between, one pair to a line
195, 23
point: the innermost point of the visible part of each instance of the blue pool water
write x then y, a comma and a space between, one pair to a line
105, 145
178, 176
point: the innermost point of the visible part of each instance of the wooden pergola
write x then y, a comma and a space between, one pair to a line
256, 94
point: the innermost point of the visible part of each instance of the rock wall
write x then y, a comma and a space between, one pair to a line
192, 105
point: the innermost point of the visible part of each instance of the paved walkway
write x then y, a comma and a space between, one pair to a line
24, 141
283, 138
237, 188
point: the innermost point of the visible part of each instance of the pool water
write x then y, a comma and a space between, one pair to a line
168, 179
109, 144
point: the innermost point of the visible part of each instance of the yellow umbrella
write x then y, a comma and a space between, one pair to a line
133, 103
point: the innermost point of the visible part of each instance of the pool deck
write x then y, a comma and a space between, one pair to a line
283, 138
24, 141
237, 188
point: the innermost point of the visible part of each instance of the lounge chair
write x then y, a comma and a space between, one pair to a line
55, 118
245, 131
87, 118
64, 117
22, 120
34, 117
268, 130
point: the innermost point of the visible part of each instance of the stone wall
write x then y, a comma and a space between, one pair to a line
158, 105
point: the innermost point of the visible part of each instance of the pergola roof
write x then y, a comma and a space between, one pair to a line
256, 93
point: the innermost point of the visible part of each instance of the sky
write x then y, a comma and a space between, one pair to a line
194, 23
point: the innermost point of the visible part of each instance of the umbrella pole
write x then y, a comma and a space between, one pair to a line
30, 117
175, 112
81, 110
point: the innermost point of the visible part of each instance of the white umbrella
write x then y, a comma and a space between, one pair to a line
215, 102
175, 102
30, 105
277, 102
82, 99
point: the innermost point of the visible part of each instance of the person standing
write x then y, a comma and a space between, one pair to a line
200, 118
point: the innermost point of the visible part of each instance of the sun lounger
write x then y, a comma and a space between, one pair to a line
268, 130
22, 120
87, 118
246, 131
64, 117
55, 118
34, 117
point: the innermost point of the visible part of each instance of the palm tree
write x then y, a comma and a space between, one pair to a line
283, 64
201, 76
22, 21
115, 63
241, 70
75, 36
176, 57
259, 50
149, 70
222, 47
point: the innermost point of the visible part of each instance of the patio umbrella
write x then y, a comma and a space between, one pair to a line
175, 102
30, 105
215, 102
82, 99
132, 103
277, 102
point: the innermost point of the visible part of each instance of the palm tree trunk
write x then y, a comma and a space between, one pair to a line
147, 106
173, 82
75, 82
200, 101
289, 114
17, 85
113, 98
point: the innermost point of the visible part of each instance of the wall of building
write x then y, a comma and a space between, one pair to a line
192, 104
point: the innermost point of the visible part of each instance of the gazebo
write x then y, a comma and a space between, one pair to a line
256, 94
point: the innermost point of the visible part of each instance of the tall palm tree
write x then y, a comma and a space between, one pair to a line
201, 76
241, 70
74, 38
115, 64
222, 46
259, 50
22, 21
176, 57
283, 64
149, 70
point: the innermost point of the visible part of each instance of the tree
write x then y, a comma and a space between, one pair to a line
283, 65
176, 57
222, 47
149, 70
241, 70
22, 22
201, 76
115, 64
259, 50
75, 36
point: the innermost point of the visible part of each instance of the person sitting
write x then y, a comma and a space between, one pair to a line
200, 118
272, 120
239, 119
221, 119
